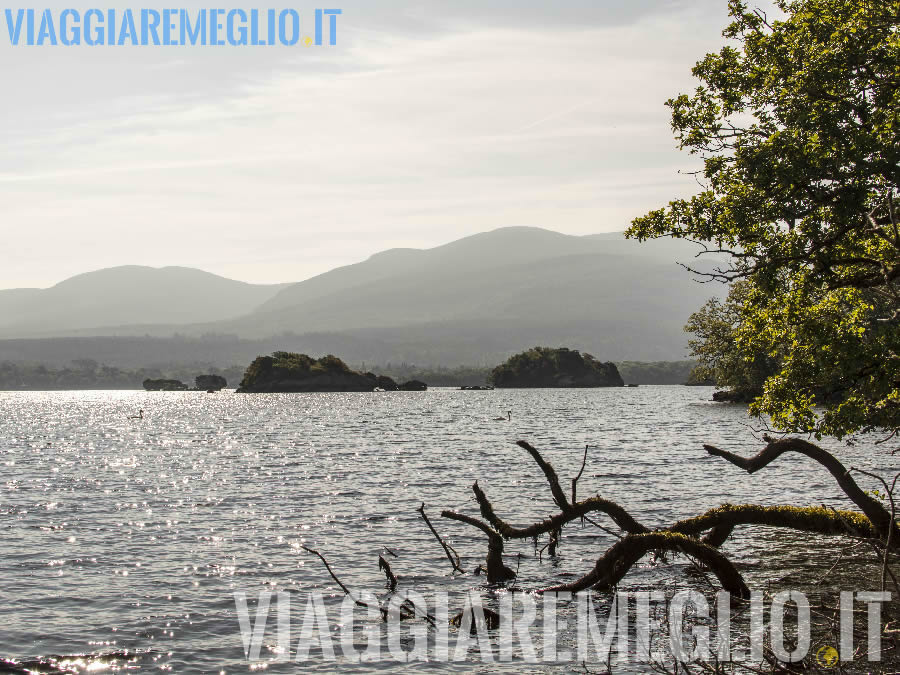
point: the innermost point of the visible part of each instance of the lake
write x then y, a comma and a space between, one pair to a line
135, 534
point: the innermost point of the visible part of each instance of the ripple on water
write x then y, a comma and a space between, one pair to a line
133, 535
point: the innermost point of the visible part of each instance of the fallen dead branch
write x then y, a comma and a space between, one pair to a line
581, 471
385, 566
497, 571
454, 558
619, 515
360, 603
550, 473
722, 520
686, 536
876, 513
615, 563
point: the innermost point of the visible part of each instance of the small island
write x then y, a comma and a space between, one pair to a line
288, 372
210, 383
164, 385
544, 367
207, 383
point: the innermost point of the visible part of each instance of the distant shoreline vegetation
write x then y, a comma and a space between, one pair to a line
207, 383
88, 374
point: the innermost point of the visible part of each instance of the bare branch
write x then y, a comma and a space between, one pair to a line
550, 473
447, 548
869, 506
497, 572
360, 603
620, 516
624, 554
384, 565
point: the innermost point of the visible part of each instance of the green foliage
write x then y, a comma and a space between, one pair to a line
437, 376
656, 372
797, 126
633, 372
547, 367
715, 346
210, 382
330, 364
291, 364
89, 374
164, 385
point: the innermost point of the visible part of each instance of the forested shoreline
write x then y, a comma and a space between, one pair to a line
89, 374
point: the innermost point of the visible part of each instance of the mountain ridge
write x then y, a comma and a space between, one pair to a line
126, 294
512, 286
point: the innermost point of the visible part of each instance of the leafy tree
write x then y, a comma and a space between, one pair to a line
88, 365
210, 382
797, 125
657, 372
715, 346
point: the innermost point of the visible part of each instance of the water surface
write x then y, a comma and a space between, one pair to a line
134, 534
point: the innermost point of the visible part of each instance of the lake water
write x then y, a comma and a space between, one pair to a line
134, 534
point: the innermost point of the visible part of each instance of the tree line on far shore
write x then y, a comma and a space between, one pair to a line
89, 374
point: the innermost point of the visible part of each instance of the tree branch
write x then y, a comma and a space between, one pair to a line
624, 554
497, 572
876, 513
550, 474
619, 515
723, 519
445, 545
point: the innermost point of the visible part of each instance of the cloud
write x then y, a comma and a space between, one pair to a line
286, 168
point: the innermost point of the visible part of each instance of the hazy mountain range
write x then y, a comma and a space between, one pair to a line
128, 295
472, 301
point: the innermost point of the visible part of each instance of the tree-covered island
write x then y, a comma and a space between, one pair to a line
288, 372
561, 367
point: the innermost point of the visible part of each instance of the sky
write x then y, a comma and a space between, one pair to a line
426, 122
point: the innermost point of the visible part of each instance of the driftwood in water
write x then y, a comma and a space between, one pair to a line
360, 603
721, 521
581, 471
550, 474
497, 572
454, 558
625, 553
383, 565
407, 610
619, 515
491, 619
684, 536
874, 510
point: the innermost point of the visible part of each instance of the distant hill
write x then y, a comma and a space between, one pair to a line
500, 255
500, 292
474, 301
129, 295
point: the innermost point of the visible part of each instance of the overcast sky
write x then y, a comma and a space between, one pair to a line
427, 122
